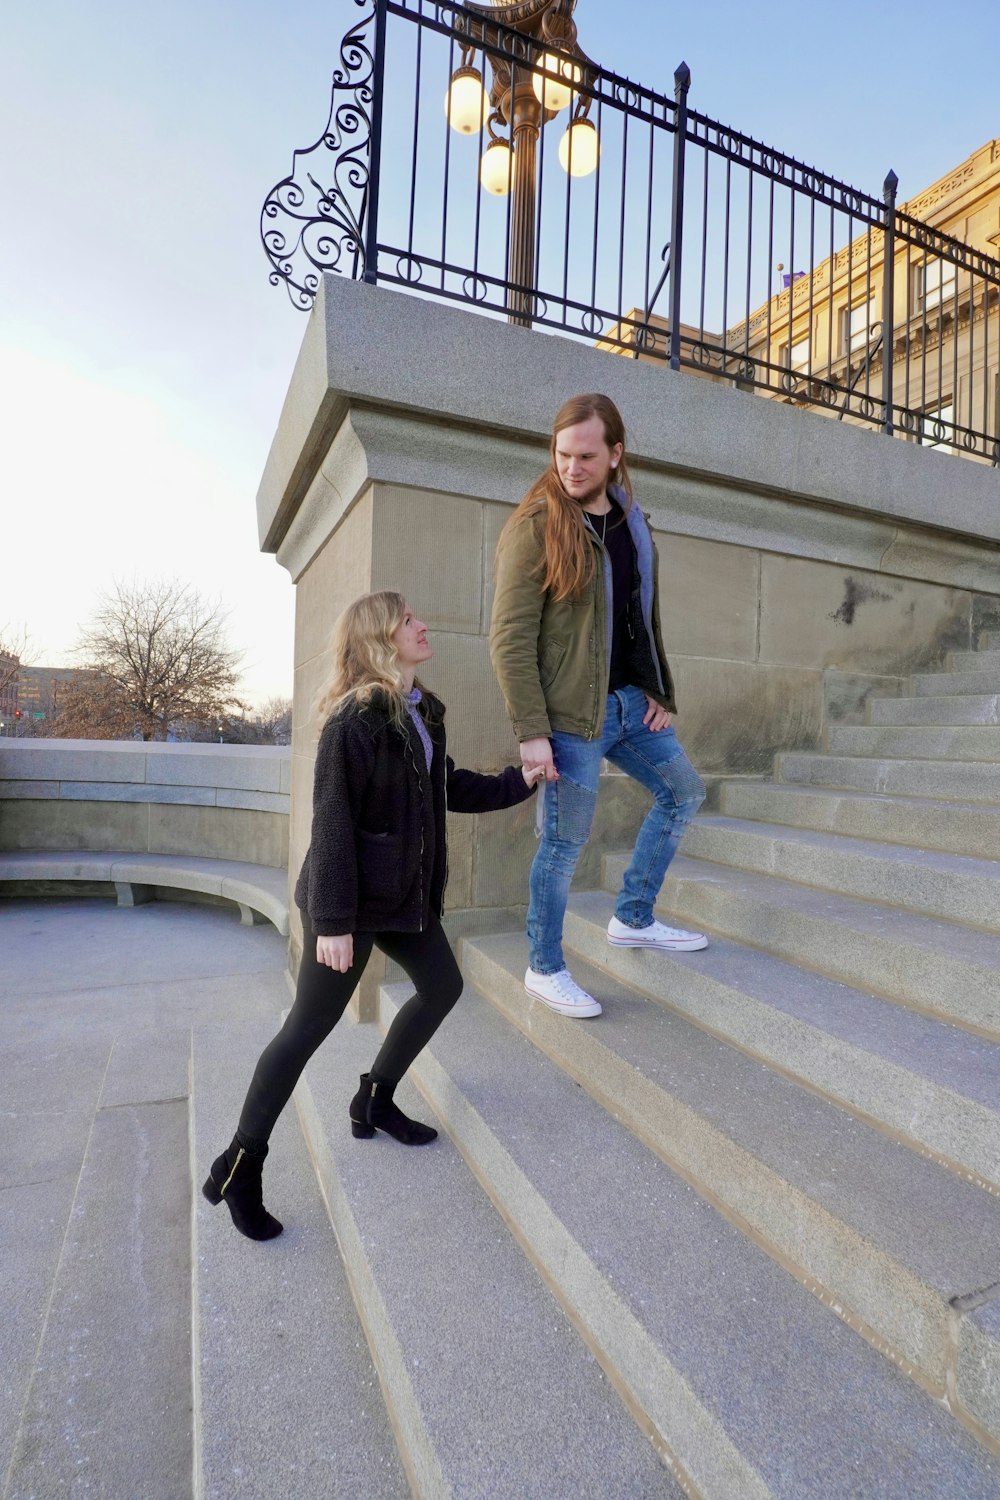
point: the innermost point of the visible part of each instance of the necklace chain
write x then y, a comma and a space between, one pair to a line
604, 528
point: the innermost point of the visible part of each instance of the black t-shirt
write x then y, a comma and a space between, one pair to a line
621, 552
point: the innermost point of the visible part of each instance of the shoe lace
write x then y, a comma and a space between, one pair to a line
569, 989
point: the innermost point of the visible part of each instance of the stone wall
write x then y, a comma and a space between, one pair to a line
218, 801
803, 564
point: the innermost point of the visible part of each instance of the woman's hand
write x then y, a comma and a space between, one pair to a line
532, 774
537, 755
656, 717
336, 952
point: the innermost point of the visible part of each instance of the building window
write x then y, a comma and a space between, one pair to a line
936, 283
937, 428
801, 354
857, 323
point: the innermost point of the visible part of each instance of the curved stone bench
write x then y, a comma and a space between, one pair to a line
260, 891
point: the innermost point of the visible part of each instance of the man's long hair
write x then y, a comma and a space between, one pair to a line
569, 555
365, 660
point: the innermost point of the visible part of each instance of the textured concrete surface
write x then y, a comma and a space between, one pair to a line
979, 1360
259, 886
109, 762
951, 972
95, 1198
935, 683
224, 801
932, 1085
881, 1230
953, 827
922, 742
939, 885
446, 1292
805, 1403
953, 708
967, 781
288, 1401
983, 660
108, 1409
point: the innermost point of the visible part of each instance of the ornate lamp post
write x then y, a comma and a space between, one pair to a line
527, 91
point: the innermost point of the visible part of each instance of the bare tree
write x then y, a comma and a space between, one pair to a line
15, 646
155, 658
270, 724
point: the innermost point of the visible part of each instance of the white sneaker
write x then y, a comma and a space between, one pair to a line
656, 935
561, 992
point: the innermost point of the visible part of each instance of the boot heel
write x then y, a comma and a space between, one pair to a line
211, 1191
361, 1131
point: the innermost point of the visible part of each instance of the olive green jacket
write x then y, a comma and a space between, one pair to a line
551, 657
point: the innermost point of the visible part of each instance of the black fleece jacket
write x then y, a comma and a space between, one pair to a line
378, 859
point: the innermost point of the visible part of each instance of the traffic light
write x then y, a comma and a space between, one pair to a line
17, 713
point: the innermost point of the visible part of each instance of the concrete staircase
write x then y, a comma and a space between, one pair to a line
740, 1237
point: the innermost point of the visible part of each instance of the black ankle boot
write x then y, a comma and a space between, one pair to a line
372, 1109
236, 1179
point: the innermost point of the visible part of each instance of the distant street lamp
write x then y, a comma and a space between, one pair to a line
525, 94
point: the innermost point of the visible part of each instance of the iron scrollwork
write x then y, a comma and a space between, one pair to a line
305, 222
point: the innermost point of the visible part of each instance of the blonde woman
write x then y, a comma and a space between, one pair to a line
374, 874
576, 647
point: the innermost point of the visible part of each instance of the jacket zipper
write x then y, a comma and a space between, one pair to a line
420, 783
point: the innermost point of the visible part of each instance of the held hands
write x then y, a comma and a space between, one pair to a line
336, 952
536, 761
655, 717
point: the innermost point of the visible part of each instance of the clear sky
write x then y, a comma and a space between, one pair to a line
144, 356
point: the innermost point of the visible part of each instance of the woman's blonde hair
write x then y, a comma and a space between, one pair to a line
568, 565
365, 660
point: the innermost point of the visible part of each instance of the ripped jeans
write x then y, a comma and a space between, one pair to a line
659, 763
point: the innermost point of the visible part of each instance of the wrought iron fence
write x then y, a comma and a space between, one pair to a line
615, 213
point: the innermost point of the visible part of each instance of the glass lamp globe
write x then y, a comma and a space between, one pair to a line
553, 81
466, 104
495, 168
579, 149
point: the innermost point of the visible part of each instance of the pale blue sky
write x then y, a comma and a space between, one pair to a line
144, 356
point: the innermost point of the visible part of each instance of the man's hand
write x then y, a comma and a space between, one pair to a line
538, 753
336, 952
655, 717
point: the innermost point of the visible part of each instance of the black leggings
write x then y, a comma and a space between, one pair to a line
320, 1000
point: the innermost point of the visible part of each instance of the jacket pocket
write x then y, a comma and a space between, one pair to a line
550, 659
380, 866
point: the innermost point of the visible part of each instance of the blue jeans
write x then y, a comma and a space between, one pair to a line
659, 763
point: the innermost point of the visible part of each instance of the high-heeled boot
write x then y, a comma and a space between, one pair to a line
373, 1108
236, 1179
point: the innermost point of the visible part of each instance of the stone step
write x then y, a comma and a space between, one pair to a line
952, 827
325, 1429
934, 966
799, 1188
932, 1086
983, 660
490, 1390
920, 880
967, 742
989, 640
962, 781
961, 708
108, 1406
952, 683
